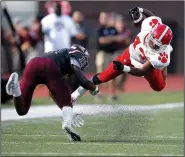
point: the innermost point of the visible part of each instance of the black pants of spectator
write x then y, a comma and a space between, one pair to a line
4, 96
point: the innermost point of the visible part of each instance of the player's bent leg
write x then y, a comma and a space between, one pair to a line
62, 96
156, 80
108, 74
23, 92
14, 88
27, 89
67, 114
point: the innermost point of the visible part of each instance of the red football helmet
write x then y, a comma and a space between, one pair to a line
159, 38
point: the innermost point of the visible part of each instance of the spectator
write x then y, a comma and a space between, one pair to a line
49, 9
58, 30
37, 36
100, 47
5, 53
99, 61
26, 41
78, 18
106, 46
10, 50
65, 7
35, 30
123, 39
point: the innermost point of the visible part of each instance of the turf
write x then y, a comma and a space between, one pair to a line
130, 99
148, 133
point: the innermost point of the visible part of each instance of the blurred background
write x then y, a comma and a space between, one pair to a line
24, 39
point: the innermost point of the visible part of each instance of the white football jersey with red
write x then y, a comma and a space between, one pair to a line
137, 49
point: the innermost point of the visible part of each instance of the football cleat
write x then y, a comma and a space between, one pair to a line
71, 133
12, 87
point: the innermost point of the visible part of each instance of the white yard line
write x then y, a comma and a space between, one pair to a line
59, 135
91, 143
84, 154
87, 109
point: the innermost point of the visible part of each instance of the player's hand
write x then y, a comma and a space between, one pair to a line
73, 100
77, 120
74, 97
134, 13
96, 91
117, 65
77, 94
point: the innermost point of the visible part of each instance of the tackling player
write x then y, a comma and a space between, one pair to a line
148, 55
51, 70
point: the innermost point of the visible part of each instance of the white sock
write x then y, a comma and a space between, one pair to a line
17, 91
67, 115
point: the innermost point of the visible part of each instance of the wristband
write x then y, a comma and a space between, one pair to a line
140, 10
140, 18
126, 69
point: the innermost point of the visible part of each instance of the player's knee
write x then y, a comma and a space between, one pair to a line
65, 105
22, 112
159, 87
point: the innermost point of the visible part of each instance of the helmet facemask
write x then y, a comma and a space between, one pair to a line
86, 56
154, 46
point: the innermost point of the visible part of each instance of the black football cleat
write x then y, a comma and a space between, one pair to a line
71, 133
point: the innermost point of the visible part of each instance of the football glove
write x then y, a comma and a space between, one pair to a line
134, 13
118, 65
96, 91
77, 120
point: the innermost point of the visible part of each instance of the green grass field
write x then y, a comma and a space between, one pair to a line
150, 133
131, 99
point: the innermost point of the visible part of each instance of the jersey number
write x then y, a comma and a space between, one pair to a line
136, 42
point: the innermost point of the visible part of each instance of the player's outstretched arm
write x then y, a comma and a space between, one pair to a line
83, 81
132, 70
85, 84
136, 15
80, 91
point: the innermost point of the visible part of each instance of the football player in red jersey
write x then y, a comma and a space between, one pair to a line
148, 55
